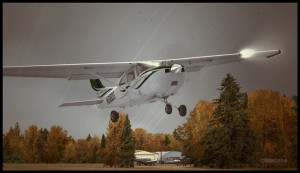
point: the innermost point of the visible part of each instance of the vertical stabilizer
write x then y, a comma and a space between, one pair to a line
96, 84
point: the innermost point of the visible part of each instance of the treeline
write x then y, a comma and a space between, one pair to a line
236, 130
56, 146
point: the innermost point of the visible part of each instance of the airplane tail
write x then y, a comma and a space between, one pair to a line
96, 84
100, 89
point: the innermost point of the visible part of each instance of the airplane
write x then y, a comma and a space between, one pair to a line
140, 82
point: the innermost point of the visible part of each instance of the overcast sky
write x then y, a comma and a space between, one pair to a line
43, 34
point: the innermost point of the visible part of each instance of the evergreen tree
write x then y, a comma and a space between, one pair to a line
230, 142
167, 142
103, 142
127, 157
41, 144
102, 148
89, 137
249, 145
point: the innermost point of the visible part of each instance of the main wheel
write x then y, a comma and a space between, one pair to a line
168, 109
114, 116
182, 110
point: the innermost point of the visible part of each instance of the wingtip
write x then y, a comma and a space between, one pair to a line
279, 52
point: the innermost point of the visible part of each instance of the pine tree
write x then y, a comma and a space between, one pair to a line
227, 143
42, 143
89, 137
127, 156
102, 149
167, 142
103, 142
249, 145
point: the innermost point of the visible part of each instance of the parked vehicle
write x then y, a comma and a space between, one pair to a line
145, 161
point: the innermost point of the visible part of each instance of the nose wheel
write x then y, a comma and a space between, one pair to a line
114, 116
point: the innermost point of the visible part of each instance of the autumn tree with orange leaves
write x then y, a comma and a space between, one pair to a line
81, 148
113, 142
56, 141
274, 120
69, 153
93, 150
31, 142
192, 133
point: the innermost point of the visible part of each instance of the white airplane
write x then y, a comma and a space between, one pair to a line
140, 82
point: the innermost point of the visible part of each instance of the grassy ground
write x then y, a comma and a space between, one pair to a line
102, 167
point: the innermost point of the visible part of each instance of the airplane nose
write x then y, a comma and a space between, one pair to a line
176, 68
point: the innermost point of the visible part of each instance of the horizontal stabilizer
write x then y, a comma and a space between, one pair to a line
82, 103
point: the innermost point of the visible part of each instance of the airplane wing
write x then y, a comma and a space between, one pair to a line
116, 69
196, 63
69, 71
82, 103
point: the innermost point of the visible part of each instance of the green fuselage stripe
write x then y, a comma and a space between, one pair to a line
145, 79
156, 68
105, 93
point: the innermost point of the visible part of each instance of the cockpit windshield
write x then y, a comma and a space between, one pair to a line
142, 67
122, 80
130, 74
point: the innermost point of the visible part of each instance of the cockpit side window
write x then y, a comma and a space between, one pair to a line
130, 75
122, 80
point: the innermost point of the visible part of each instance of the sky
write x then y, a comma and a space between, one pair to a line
70, 33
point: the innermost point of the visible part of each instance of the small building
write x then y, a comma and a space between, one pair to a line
169, 155
145, 154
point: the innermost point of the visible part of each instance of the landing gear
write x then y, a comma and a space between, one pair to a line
168, 109
114, 116
182, 110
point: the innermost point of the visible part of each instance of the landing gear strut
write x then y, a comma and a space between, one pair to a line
114, 116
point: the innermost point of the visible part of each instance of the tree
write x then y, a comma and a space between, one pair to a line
93, 150
192, 133
102, 148
249, 147
30, 147
113, 142
41, 144
69, 153
227, 143
103, 142
81, 148
295, 107
13, 141
275, 124
139, 136
167, 142
89, 137
56, 141
127, 149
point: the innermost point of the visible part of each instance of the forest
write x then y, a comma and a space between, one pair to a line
256, 130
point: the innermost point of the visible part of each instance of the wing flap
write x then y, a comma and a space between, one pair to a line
82, 103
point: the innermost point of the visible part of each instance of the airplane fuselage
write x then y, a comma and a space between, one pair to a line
150, 86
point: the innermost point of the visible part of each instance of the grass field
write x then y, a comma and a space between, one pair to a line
102, 167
